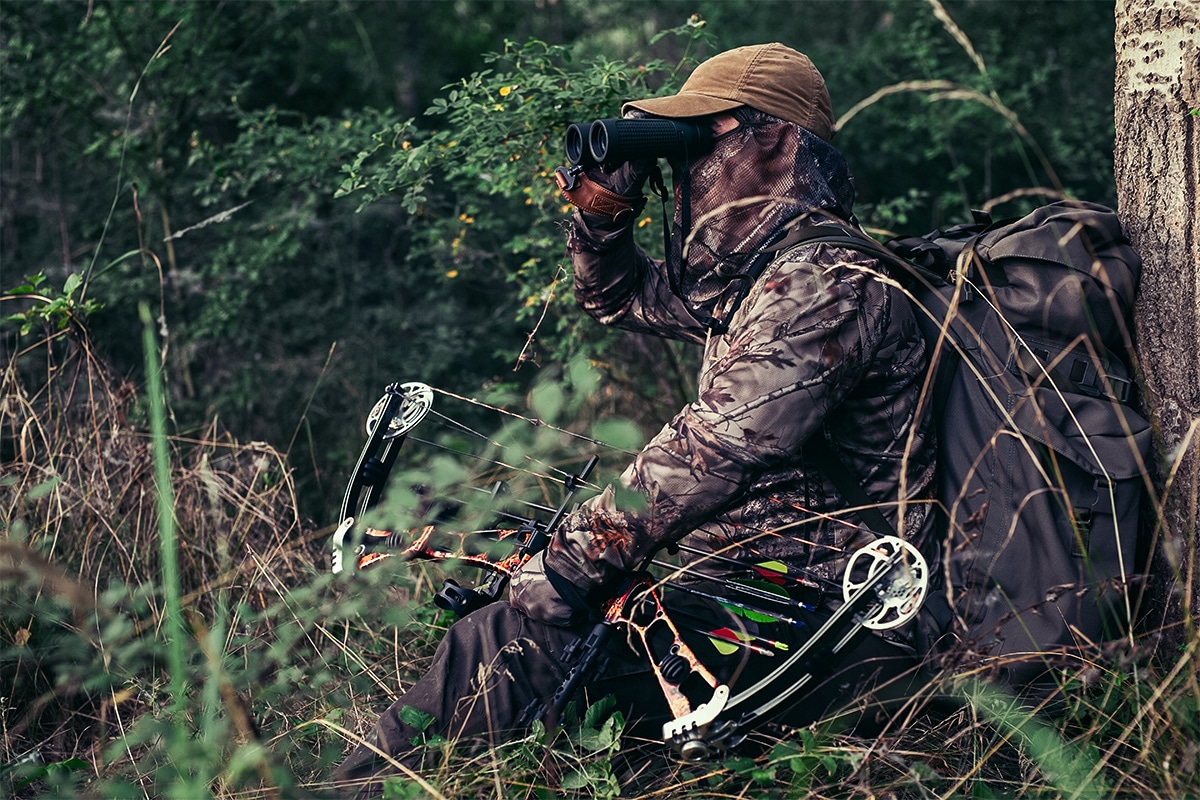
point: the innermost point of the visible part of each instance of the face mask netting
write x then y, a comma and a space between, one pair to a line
742, 196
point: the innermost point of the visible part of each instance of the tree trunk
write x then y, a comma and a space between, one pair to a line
1158, 175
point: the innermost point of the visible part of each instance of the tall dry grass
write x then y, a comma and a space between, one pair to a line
81, 565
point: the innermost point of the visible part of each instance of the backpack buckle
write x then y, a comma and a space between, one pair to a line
1083, 518
1121, 388
1100, 382
1080, 374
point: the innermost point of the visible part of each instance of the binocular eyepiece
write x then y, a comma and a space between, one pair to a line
615, 141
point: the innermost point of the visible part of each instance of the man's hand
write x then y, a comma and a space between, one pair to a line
607, 195
627, 179
533, 592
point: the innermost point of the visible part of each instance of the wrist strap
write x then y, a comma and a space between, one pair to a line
587, 195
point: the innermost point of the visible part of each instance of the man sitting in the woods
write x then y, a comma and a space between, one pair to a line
802, 344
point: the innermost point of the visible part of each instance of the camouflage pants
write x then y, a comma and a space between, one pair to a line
494, 663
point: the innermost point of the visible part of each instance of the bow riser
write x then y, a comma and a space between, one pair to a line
639, 609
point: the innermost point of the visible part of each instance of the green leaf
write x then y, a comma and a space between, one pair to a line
740, 766
618, 433
402, 789
42, 489
547, 401
598, 711
982, 791
763, 776
584, 378
415, 718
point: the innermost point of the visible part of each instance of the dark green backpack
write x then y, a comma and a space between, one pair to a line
1041, 455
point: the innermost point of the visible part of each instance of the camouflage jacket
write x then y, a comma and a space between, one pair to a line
822, 345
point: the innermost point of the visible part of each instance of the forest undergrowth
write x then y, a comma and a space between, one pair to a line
281, 666
170, 627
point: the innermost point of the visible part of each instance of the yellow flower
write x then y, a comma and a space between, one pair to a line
644, 221
505, 91
453, 273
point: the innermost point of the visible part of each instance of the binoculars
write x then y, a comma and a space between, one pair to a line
614, 141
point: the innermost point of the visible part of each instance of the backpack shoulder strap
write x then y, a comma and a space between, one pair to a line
819, 447
850, 488
842, 235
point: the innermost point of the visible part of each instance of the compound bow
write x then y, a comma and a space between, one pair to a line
883, 587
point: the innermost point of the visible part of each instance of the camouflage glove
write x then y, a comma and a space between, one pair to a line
540, 593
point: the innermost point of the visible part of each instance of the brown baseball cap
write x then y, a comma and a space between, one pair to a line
772, 78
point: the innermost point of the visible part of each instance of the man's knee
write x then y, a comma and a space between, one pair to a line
499, 630
488, 636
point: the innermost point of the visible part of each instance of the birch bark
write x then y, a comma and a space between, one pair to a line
1157, 163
